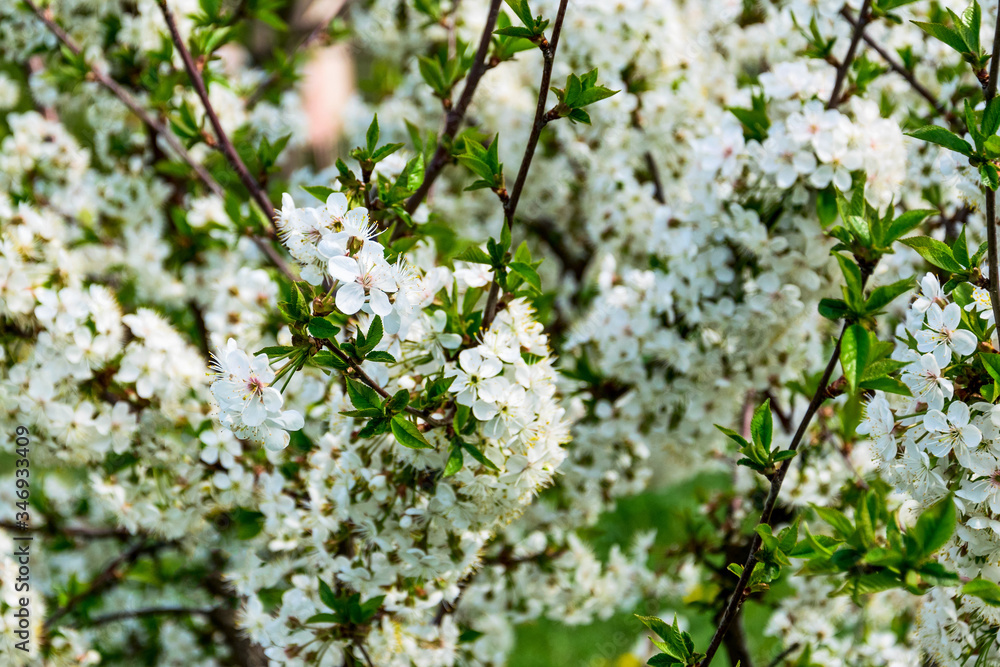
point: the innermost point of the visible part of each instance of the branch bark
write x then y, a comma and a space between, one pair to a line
859, 28
367, 379
256, 191
735, 603
991, 196
457, 113
541, 120
115, 89
108, 577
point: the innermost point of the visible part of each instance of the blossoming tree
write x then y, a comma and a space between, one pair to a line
378, 412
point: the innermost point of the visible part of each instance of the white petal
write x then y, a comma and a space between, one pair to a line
350, 298
344, 268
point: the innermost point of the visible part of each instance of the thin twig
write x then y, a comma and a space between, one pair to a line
898, 68
735, 602
148, 611
784, 654
155, 126
256, 191
989, 93
367, 379
70, 531
115, 89
541, 119
106, 579
457, 113
859, 28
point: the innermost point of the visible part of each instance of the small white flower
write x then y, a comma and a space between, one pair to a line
942, 335
952, 432
926, 382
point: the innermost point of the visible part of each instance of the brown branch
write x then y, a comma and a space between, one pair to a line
245, 652
739, 595
654, 173
898, 68
367, 379
70, 531
989, 93
108, 577
859, 28
256, 192
541, 119
457, 113
148, 611
157, 127
115, 89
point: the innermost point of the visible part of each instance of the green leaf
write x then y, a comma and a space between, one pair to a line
373, 337
985, 590
907, 222
529, 274
935, 526
934, 251
673, 639
991, 117
381, 357
853, 280
854, 354
837, 519
988, 176
371, 137
475, 453
329, 359
761, 426
881, 297
407, 433
320, 327
832, 309
942, 137
320, 192
455, 462
943, 33
523, 11
474, 255
362, 396
323, 618
326, 595
991, 362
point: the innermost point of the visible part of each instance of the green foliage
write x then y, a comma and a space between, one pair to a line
963, 37
580, 91
532, 28
484, 163
677, 647
758, 454
867, 562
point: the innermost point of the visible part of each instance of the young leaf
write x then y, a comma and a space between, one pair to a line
854, 354
407, 433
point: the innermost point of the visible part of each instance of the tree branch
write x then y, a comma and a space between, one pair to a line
739, 595
148, 611
898, 68
256, 191
157, 127
859, 28
115, 89
514, 196
367, 379
457, 113
108, 577
989, 93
